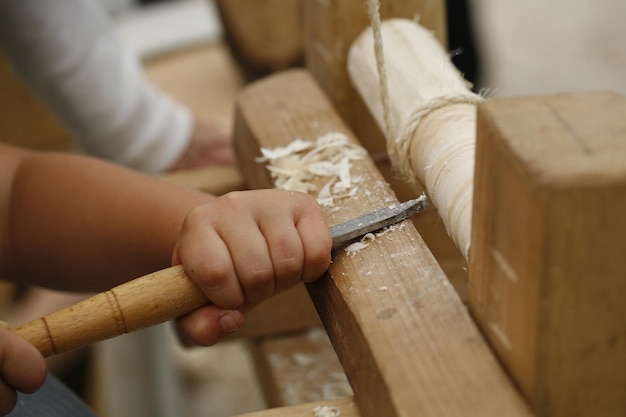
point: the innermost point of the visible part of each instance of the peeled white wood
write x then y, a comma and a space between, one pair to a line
432, 113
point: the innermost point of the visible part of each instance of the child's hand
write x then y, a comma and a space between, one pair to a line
243, 248
21, 368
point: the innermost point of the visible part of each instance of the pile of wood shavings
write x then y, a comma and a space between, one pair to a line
296, 165
326, 411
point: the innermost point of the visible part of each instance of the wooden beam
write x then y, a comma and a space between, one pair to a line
299, 367
287, 312
404, 338
547, 271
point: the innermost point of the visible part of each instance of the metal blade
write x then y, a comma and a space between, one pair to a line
347, 232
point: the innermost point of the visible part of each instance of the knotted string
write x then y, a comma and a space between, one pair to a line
398, 146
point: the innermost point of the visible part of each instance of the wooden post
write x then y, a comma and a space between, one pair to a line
402, 334
548, 260
265, 35
330, 27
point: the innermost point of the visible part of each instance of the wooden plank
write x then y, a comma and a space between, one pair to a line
331, 26
343, 407
287, 312
547, 272
299, 367
404, 338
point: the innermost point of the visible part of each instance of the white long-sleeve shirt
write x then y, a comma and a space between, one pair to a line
68, 53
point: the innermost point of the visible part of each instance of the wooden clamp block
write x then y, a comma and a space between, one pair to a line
548, 261
404, 338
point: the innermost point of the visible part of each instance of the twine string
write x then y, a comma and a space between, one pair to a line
442, 154
398, 145
374, 15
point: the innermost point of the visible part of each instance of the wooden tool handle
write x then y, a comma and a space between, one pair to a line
140, 303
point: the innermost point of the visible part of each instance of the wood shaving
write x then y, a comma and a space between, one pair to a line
361, 244
370, 237
326, 411
295, 166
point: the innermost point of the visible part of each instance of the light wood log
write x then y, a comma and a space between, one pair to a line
548, 268
140, 303
330, 28
422, 80
403, 336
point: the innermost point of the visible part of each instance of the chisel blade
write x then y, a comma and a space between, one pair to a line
348, 232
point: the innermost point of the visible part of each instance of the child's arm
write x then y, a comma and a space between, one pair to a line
76, 223
71, 222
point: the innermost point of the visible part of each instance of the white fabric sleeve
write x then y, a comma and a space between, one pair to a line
68, 53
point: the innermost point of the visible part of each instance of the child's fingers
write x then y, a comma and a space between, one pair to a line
208, 325
244, 247
251, 258
316, 243
21, 367
207, 260
299, 239
285, 249
8, 398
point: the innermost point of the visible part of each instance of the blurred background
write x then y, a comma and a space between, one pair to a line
191, 50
